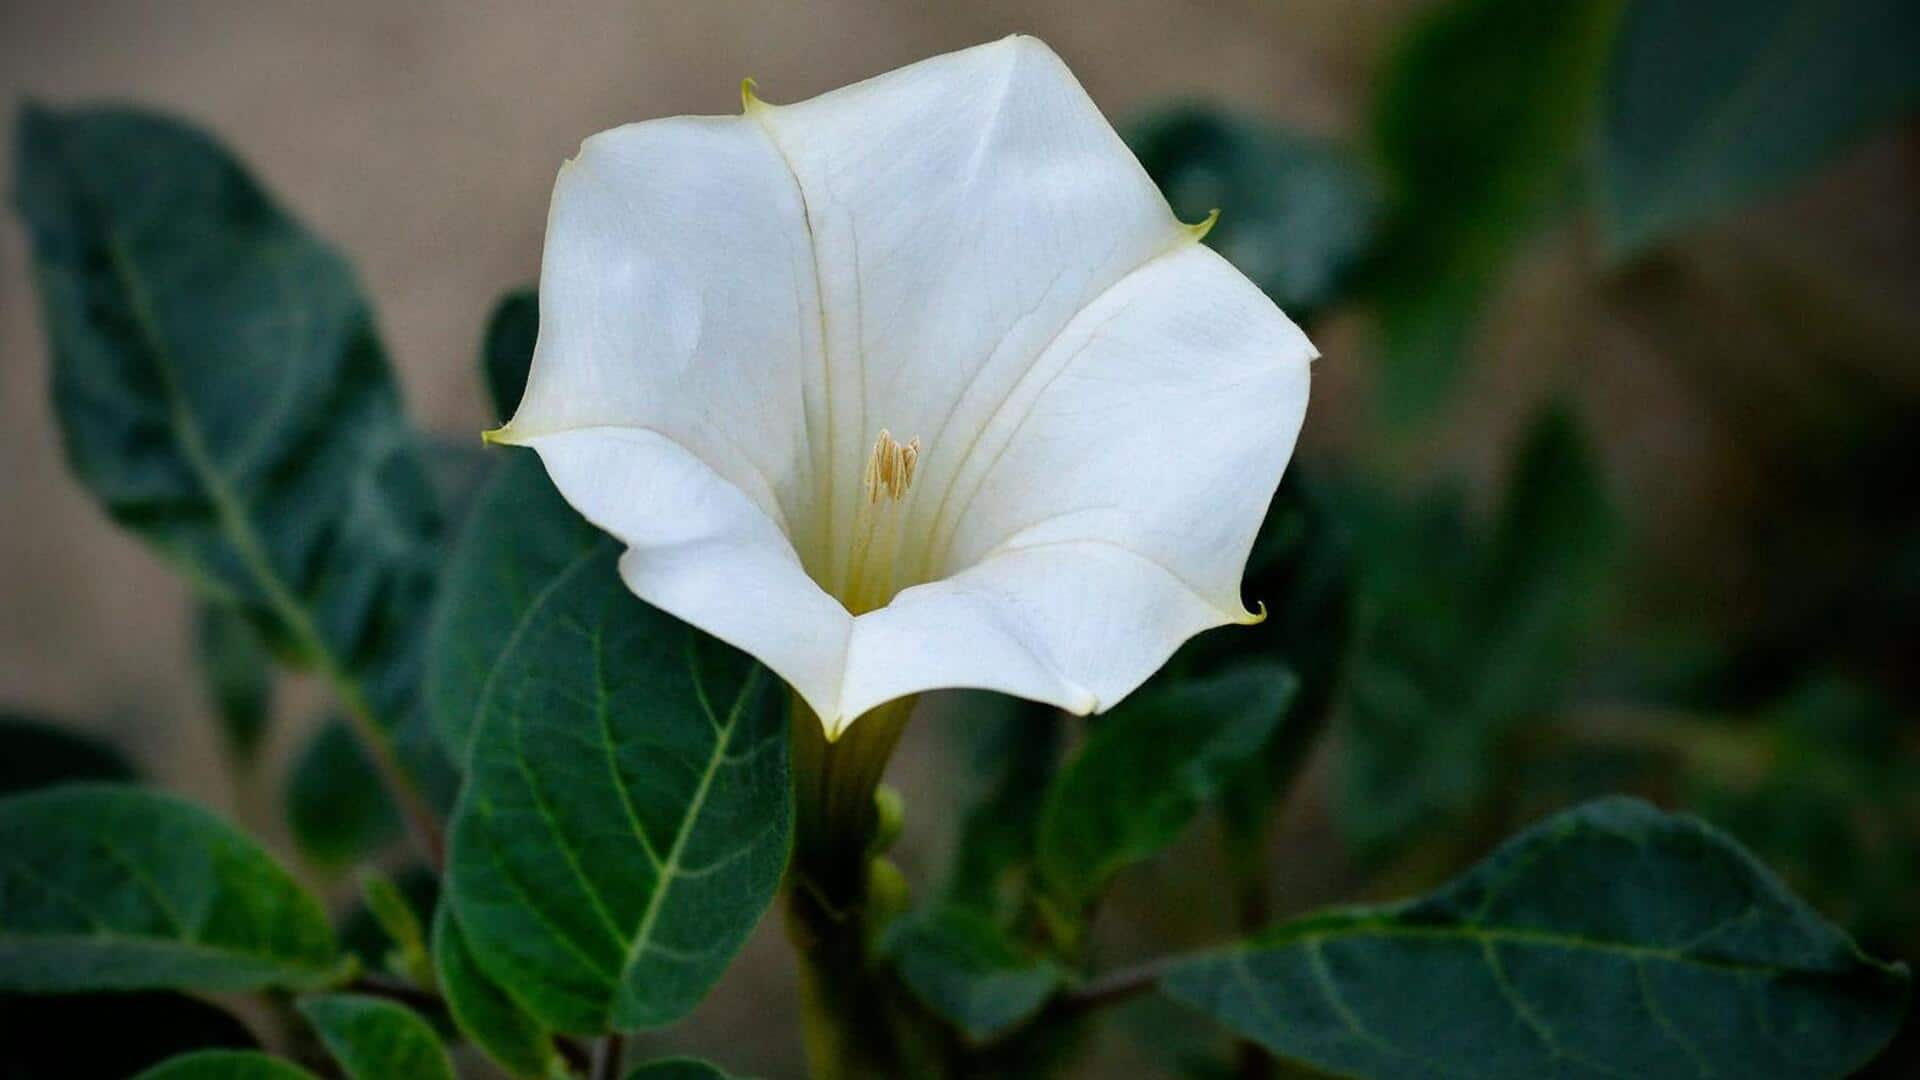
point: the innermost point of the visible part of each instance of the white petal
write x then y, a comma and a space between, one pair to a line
699, 549
1108, 510
963, 209
677, 295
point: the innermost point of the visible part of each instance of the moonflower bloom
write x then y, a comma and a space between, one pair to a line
915, 384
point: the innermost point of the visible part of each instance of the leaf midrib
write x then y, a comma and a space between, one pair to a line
1500, 935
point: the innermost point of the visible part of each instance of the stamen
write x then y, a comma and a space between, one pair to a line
871, 575
890, 467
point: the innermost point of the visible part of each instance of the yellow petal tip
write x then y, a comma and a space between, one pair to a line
497, 437
749, 100
1200, 230
1254, 618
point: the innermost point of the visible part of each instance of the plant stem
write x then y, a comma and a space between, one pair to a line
606, 1056
830, 921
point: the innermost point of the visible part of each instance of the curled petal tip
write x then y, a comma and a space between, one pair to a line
500, 436
749, 100
1200, 229
1255, 618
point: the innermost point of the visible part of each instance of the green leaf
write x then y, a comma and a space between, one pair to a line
58, 1036
35, 754
963, 968
112, 888
375, 1039
1463, 637
336, 805
1712, 103
679, 1068
363, 933
387, 903
482, 1011
627, 809
521, 546
1014, 746
238, 670
226, 1065
222, 391
1148, 768
1611, 940
1297, 214
507, 350
1482, 113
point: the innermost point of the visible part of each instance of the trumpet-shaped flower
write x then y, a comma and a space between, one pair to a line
915, 384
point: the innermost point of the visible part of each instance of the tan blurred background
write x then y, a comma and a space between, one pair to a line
422, 138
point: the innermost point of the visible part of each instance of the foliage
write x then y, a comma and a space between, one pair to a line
1610, 940
624, 783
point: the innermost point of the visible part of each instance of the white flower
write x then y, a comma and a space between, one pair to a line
916, 384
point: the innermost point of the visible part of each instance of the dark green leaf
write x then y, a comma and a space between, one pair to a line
1484, 108
507, 351
627, 810
336, 805
58, 1036
111, 888
482, 1011
1297, 214
387, 903
1148, 768
966, 970
375, 1039
362, 932
521, 545
1013, 748
1612, 940
680, 1068
35, 754
221, 390
1711, 103
1462, 640
226, 1065
238, 669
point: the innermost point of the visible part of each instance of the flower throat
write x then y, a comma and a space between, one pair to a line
870, 581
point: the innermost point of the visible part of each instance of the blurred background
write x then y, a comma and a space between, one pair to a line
1607, 482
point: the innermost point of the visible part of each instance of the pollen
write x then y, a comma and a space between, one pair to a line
890, 468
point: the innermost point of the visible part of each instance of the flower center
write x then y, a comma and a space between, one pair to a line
871, 569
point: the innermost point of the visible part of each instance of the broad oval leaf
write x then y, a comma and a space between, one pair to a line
36, 754
226, 1065
965, 969
626, 814
1610, 940
482, 1011
1148, 768
1297, 214
222, 391
1711, 103
521, 545
375, 1039
113, 888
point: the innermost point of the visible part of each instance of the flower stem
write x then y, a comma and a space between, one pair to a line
833, 917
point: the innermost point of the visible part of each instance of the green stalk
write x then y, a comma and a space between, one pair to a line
833, 913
